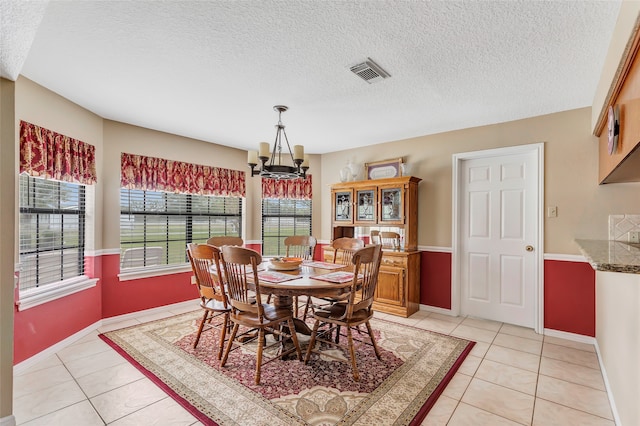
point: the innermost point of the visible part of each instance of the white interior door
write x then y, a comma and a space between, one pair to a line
498, 223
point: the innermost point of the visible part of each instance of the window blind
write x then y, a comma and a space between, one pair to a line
282, 218
156, 226
52, 231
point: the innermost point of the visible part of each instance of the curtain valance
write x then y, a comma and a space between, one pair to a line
295, 189
159, 174
51, 155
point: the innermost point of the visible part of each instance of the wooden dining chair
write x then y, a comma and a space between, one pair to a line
344, 248
374, 237
390, 239
301, 246
213, 298
225, 241
357, 310
241, 276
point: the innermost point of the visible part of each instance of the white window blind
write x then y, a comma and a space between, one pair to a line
52, 231
155, 227
282, 218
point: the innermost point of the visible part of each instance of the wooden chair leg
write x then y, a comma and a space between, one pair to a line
229, 344
223, 333
294, 337
259, 355
312, 341
373, 340
204, 319
352, 354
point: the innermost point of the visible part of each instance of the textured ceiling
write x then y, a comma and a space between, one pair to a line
212, 70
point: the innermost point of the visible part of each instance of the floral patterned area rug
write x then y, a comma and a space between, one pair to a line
400, 389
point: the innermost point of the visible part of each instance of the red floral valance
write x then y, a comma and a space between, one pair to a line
158, 174
294, 189
54, 156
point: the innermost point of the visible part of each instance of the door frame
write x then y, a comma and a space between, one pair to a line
458, 159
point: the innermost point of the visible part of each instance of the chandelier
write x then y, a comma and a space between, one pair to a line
272, 163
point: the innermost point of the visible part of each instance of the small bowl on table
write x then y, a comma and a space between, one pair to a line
285, 263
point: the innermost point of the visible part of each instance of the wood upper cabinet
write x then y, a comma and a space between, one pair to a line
621, 162
381, 202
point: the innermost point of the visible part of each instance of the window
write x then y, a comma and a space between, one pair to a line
52, 231
282, 218
156, 226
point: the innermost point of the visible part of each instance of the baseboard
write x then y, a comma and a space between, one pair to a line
614, 409
437, 310
570, 336
52, 350
133, 315
8, 421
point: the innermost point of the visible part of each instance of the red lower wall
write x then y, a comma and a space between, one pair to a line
570, 297
435, 279
40, 327
569, 291
124, 297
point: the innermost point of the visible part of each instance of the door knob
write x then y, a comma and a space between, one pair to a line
529, 248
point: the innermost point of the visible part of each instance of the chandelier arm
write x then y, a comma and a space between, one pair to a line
289, 146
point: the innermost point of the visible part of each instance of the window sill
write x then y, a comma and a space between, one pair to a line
47, 293
153, 271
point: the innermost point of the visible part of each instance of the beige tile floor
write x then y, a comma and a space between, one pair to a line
512, 377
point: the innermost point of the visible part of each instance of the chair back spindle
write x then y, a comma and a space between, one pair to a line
346, 247
302, 246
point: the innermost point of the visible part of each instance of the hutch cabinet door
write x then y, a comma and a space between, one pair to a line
391, 205
342, 206
390, 289
366, 206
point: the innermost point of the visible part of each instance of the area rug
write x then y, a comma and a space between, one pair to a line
399, 389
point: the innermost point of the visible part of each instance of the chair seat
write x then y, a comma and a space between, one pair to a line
271, 313
214, 305
336, 312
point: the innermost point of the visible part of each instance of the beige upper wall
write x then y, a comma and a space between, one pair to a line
45, 108
7, 242
120, 137
571, 168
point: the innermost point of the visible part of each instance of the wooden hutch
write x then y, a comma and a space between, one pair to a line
387, 204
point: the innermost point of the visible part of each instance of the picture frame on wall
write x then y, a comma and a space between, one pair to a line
384, 169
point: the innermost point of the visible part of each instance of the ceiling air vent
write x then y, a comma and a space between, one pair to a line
369, 71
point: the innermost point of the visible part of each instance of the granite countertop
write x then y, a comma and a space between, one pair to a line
611, 256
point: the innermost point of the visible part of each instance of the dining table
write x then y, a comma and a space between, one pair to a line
311, 279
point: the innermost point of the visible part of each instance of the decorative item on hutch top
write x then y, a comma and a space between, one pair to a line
273, 166
384, 169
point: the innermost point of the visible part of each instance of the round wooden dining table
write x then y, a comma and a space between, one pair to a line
304, 285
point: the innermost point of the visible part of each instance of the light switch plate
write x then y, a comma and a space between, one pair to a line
552, 211
634, 237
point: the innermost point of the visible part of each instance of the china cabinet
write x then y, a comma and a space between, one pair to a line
392, 203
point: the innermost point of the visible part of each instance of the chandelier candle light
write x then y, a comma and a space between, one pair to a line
275, 168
